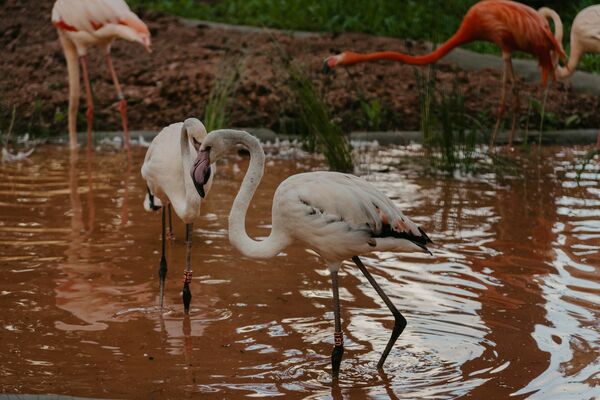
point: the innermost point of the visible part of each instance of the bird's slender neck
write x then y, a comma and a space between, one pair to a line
574, 57
277, 240
191, 194
460, 37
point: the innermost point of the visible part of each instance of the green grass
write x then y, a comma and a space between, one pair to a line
430, 20
216, 109
449, 133
321, 133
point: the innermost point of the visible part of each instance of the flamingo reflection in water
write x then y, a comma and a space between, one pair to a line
88, 300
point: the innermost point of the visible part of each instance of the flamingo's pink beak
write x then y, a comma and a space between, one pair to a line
201, 171
331, 62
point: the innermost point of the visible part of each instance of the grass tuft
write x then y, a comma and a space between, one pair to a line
322, 133
216, 110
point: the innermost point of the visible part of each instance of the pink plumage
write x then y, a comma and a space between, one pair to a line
82, 24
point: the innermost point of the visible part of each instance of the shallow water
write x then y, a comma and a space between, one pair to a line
508, 306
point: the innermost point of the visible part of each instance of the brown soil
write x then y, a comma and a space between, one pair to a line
173, 82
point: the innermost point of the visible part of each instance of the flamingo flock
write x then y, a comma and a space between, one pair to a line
339, 216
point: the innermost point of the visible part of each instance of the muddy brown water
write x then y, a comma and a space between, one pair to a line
508, 306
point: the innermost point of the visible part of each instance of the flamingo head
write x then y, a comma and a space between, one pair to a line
145, 41
201, 171
332, 61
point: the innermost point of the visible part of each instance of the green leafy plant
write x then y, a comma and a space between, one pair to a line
322, 134
372, 111
216, 109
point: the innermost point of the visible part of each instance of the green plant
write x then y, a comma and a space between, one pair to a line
216, 109
449, 133
322, 134
426, 89
372, 111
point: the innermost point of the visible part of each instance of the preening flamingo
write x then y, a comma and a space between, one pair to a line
166, 168
340, 216
510, 25
81, 24
585, 38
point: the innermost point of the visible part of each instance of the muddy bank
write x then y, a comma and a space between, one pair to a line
174, 81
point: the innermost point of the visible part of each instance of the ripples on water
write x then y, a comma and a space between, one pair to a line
509, 305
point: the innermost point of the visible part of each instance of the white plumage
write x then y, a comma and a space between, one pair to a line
166, 170
167, 165
341, 216
84, 23
337, 215
92, 22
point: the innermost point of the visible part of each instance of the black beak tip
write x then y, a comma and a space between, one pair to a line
326, 68
199, 188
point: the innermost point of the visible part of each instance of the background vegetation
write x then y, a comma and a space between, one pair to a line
431, 20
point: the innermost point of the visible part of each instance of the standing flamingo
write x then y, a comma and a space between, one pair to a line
81, 24
510, 25
585, 38
166, 168
338, 215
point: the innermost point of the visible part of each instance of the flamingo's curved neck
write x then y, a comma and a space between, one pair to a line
192, 198
277, 240
574, 57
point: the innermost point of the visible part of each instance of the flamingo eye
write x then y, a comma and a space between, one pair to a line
197, 144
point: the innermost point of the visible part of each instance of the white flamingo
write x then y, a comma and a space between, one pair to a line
81, 24
166, 169
338, 215
585, 38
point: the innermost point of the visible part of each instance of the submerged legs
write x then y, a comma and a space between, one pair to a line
162, 269
399, 320
90, 103
338, 349
187, 274
502, 108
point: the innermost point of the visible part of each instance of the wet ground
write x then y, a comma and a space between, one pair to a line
508, 306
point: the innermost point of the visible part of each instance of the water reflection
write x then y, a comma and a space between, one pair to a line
507, 307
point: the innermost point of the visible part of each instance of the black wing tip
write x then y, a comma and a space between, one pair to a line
423, 234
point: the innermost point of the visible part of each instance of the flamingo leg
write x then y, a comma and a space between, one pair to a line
170, 234
90, 102
516, 103
338, 349
122, 103
162, 269
187, 275
399, 320
502, 107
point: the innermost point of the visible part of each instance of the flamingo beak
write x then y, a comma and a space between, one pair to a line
331, 62
328, 64
201, 171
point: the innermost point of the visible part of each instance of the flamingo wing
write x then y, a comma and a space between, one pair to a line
334, 201
91, 15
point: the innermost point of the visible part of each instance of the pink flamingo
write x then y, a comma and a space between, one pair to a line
338, 215
510, 25
81, 24
585, 38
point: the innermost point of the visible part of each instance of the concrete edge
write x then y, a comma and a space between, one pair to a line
564, 137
